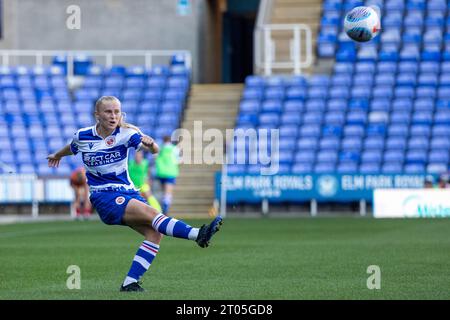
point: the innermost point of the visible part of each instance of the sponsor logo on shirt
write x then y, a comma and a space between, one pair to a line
94, 159
120, 200
110, 141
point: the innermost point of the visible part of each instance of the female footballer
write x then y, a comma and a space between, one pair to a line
104, 149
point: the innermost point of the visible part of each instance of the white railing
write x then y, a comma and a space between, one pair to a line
146, 56
265, 56
28, 188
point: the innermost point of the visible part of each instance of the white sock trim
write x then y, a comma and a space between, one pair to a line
128, 280
193, 234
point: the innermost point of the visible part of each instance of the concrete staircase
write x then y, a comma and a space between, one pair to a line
216, 106
296, 11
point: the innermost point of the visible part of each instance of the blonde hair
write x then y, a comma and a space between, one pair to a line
111, 99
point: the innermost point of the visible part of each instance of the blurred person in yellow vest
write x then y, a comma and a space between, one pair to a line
167, 170
139, 170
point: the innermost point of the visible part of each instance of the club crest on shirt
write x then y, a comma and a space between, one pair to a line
120, 200
110, 141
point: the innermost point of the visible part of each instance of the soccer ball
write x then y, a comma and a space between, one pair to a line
362, 24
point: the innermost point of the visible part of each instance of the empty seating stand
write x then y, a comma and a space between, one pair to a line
385, 108
347, 123
39, 114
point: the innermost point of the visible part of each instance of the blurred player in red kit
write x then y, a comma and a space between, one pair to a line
82, 204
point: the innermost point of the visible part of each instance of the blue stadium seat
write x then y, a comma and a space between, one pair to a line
376, 143
354, 130
395, 144
440, 130
236, 169
372, 156
426, 92
312, 117
382, 104
350, 155
334, 118
361, 92
249, 106
254, 81
288, 131
386, 67
442, 117
339, 92
294, 106
158, 70
171, 106
293, 118
145, 120
301, 168
356, 118
272, 106
344, 79
347, 167
414, 168
343, 68
438, 156
324, 167
440, 143
153, 93
305, 156
274, 81
351, 143
424, 104
332, 131
307, 142
329, 143
296, 81
392, 18
389, 53
334, 105
369, 168
419, 142
383, 91
385, 79
410, 53
296, 93
378, 117
315, 105
136, 83
149, 107
422, 117
114, 81
310, 131
437, 167
157, 82
392, 167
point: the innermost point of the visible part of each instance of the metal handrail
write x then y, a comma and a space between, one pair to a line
109, 56
265, 48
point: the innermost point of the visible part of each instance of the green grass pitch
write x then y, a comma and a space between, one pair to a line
267, 259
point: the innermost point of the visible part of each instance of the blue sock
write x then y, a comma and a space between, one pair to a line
167, 201
173, 227
142, 261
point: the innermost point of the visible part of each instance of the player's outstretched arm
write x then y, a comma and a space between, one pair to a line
55, 158
149, 144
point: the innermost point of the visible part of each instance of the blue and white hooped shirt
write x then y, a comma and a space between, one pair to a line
106, 160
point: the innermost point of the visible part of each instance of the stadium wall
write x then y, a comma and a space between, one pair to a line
106, 25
